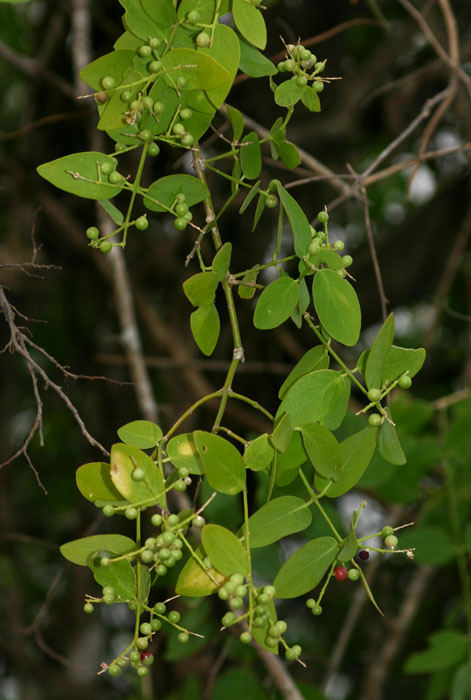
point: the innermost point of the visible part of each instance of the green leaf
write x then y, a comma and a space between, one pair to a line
127, 41
378, 354
244, 291
250, 156
221, 261
139, 22
330, 258
356, 452
182, 452
205, 327
250, 23
259, 453
200, 289
312, 397
305, 568
126, 458
389, 446
322, 449
78, 174
250, 196
197, 582
225, 50
281, 436
140, 433
287, 151
446, 648
433, 545
224, 550
288, 93
113, 64
237, 122
119, 575
342, 388
276, 303
80, 551
112, 211
310, 99
313, 359
164, 191
350, 546
398, 360
258, 211
461, 685
297, 221
253, 63
204, 7
162, 12
223, 464
279, 518
94, 483
200, 70
336, 303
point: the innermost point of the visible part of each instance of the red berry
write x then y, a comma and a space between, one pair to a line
363, 554
340, 573
145, 654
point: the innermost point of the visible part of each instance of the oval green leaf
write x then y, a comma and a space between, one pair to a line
200, 289
279, 518
119, 575
205, 327
140, 433
162, 193
182, 452
312, 397
223, 464
259, 453
126, 458
322, 449
313, 359
337, 306
225, 551
378, 354
298, 222
200, 70
276, 304
94, 483
80, 551
356, 452
79, 174
197, 582
305, 568
250, 23
250, 156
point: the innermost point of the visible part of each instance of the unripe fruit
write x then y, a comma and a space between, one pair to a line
180, 223
323, 217
114, 670
353, 575
158, 107
405, 382
181, 209
317, 610
374, 395
271, 201
347, 260
339, 245
310, 603
138, 475
154, 42
147, 556
178, 129
142, 671
135, 656
375, 420
108, 82
187, 141
131, 513
153, 150
92, 233
236, 603
115, 178
269, 591
109, 599
228, 619
314, 248
340, 573
386, 531
141, 225
181, 81
156, 520
237, 578
101, 97
145, 628
290, 65
88, 608
145, 51
198, 522
173, 520
147, 658
318, 85
193, 17
183, 637
126, 96
146, 135
245, 637
107, 167
203, 40
155, 66
108, 511
160, 608
223, 593
293, 652
391, 541
142, 642
105, 247
174, 616
186, 114
147, 102
301, 81
155, 625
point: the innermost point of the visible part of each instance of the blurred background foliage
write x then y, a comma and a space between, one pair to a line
388, 70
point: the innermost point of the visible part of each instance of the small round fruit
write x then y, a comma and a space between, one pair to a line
387, 531
147, 557
188, 140
92, 233
132, 606
340, 573
178, 129
147, 658
374, 395
142, 671
269, 591
179, 486
101, 97
134, 106
155, 66
347, 260
203, 40
271, 641
138, 475
405, 382
146, 135
135, 656
271, 201
168, 537
323, 217
141, 225
363, 554
339, 245
145, 51
279, 628
353, 574
310, 603
142, 643
154, 42
109, 599
241, 591
131, 513
223, 593
107, 167
181, 209
391, 541
155, 625
198, 522
88, 608
153, 150
293, 652
290, 65
193, 17
259, 621
127, 96
245, 637
314, 248
145, 628
180, 223
301, 81
228, 619
108, 590
183, 637
236, 603
115, 178
105, 247
262, 599
173, 520
375, 420
186, 114
318, 85
181, 82
118, 147
174, 616
160, 608
317, 610
114, 670
158, 107
156, 520
108, 82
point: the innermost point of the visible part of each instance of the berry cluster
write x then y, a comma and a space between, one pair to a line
320, 244
304, 66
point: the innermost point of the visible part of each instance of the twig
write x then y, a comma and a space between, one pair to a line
279, 674
33, 69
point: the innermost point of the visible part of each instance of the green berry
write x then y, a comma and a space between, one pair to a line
387, 531
375, 420
241, 591
188, 140
145, 628
158, 107
293, 652
405, 382
339, 245
374, 395
271, 641
92, 233
108, 82
142, 643
391, 541
180, 223
134, 106
153, 150
353, 574
178, 129
181, 81
146, 135
314, 248
88, 608
279, 628
347, 260
107, 167
317, 610
177, 554
228, 619
164, 553
154, 42
231, 586
115, 178
142, 671
147, 556
105, 247
155, 625
186, 114
318, 85
301, 81
156, 520
269, 591
181, 209
223, 593
179, 485
119, 147
168, 537
101, 97
155, 66
245, 637
183, 637
114, 670
323, 217
104, 561
290, 65
259, 621
310, 603
160, 608
138, 475
174, 616
262, 599
145, 51
193, 17
108, 590
109, 599
126, 96
237, 578
271, 201
203, 40
135, 656
131, 513
198, 522
147, 658
236, 603
141, 225
173, 520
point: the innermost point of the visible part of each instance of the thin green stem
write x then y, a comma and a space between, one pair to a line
319, 507
257, 268
190, 411
247, 550
135, 189
251, 402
